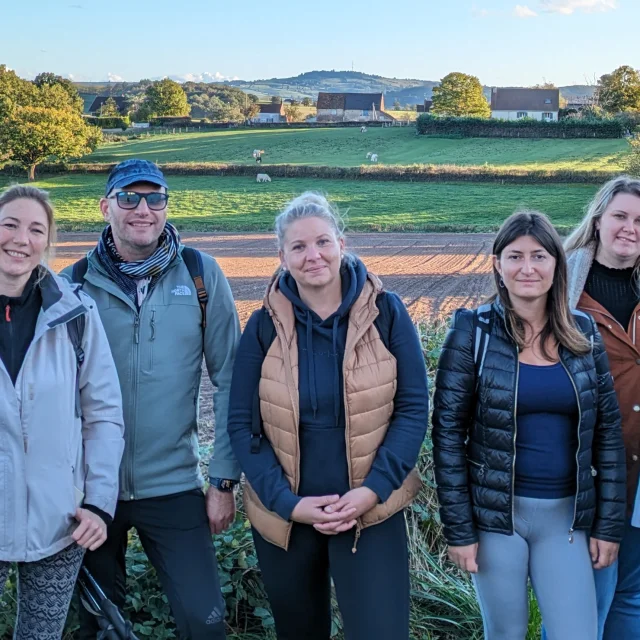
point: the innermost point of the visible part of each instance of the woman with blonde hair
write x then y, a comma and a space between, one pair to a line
61, 413
527, 444
604, 281
330, 445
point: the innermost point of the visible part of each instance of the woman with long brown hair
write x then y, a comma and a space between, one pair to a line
528, 447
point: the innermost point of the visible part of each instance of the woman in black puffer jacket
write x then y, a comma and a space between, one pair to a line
528, 449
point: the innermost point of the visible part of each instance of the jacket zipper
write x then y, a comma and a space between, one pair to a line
575, 504
135, 356
515, 435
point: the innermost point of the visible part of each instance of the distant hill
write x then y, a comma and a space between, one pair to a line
406, 90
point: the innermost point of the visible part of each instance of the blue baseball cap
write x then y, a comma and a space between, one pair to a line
134, 170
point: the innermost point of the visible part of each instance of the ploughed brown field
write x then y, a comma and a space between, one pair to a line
433, 273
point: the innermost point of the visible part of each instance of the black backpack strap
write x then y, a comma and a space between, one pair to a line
266, 336
75, 329
482, 326
193, 259
79, 270
384, 319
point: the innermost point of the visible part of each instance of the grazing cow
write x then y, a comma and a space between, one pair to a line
363, 129
263, 177
374, 157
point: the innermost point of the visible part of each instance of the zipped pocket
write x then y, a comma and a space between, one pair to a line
481, 467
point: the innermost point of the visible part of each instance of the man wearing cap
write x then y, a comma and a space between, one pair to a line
150, 309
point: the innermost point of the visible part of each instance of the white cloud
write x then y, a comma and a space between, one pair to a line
523, 11
205, 76
112, 77
567, 7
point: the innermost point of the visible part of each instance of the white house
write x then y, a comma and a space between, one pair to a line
270, 113
515, 103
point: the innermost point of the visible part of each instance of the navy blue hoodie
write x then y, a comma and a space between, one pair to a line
323, 454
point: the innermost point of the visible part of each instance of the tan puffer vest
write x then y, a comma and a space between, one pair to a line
369, 372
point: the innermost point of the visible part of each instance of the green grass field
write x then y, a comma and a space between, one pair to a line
348, 147
203, 203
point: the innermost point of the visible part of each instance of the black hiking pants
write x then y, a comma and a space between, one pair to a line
372, 585
174, 532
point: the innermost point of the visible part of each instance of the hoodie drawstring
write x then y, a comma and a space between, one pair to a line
336, 374
312, 368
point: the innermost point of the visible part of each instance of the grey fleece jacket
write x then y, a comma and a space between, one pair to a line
158, 353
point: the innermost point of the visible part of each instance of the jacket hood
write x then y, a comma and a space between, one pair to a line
578, 265
353, 275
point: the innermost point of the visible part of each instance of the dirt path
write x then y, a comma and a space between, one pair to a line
434, 273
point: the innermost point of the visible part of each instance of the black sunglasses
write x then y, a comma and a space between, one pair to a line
131, 199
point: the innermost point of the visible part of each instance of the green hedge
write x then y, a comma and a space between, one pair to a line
171, 121
400, 173
122, 122
428, 124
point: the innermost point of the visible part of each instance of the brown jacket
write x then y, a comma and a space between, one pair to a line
369, 373
624, 359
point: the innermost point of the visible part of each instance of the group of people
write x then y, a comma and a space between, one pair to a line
322, 403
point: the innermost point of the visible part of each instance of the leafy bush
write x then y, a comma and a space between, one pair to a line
632, 163
428, 124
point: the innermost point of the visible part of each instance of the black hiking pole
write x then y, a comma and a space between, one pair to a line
112, 624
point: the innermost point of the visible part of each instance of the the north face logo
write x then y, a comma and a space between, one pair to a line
181, 290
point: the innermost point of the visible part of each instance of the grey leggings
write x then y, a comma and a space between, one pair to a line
45, 588
560, 572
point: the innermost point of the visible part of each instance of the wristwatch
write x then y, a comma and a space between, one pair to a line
221, 484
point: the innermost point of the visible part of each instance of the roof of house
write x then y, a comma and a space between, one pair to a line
96, 105
272, 107
520, 99
352, 101
424, 108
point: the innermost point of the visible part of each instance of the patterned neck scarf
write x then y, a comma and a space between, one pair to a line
125, 274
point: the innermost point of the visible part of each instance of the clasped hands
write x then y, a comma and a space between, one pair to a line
334, 514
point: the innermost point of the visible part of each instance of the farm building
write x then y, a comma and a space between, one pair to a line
270, 113
424, 108
96, 106
351, 107
516, 103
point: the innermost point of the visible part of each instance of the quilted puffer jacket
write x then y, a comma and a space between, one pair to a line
474, 433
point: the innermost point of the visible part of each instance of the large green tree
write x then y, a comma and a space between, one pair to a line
39, 121
32, 134
620, 90
166, 98
459, 94
109, 109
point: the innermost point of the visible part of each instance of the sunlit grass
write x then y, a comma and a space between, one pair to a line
209, 203
348, 147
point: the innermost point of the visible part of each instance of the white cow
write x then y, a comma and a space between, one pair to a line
374, 157
363, 129
369, 155
263, 177
257, 154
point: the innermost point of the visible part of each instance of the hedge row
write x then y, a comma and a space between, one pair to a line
427, 124
410, 173
109, 123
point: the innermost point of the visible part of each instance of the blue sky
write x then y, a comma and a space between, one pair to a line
503, 42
